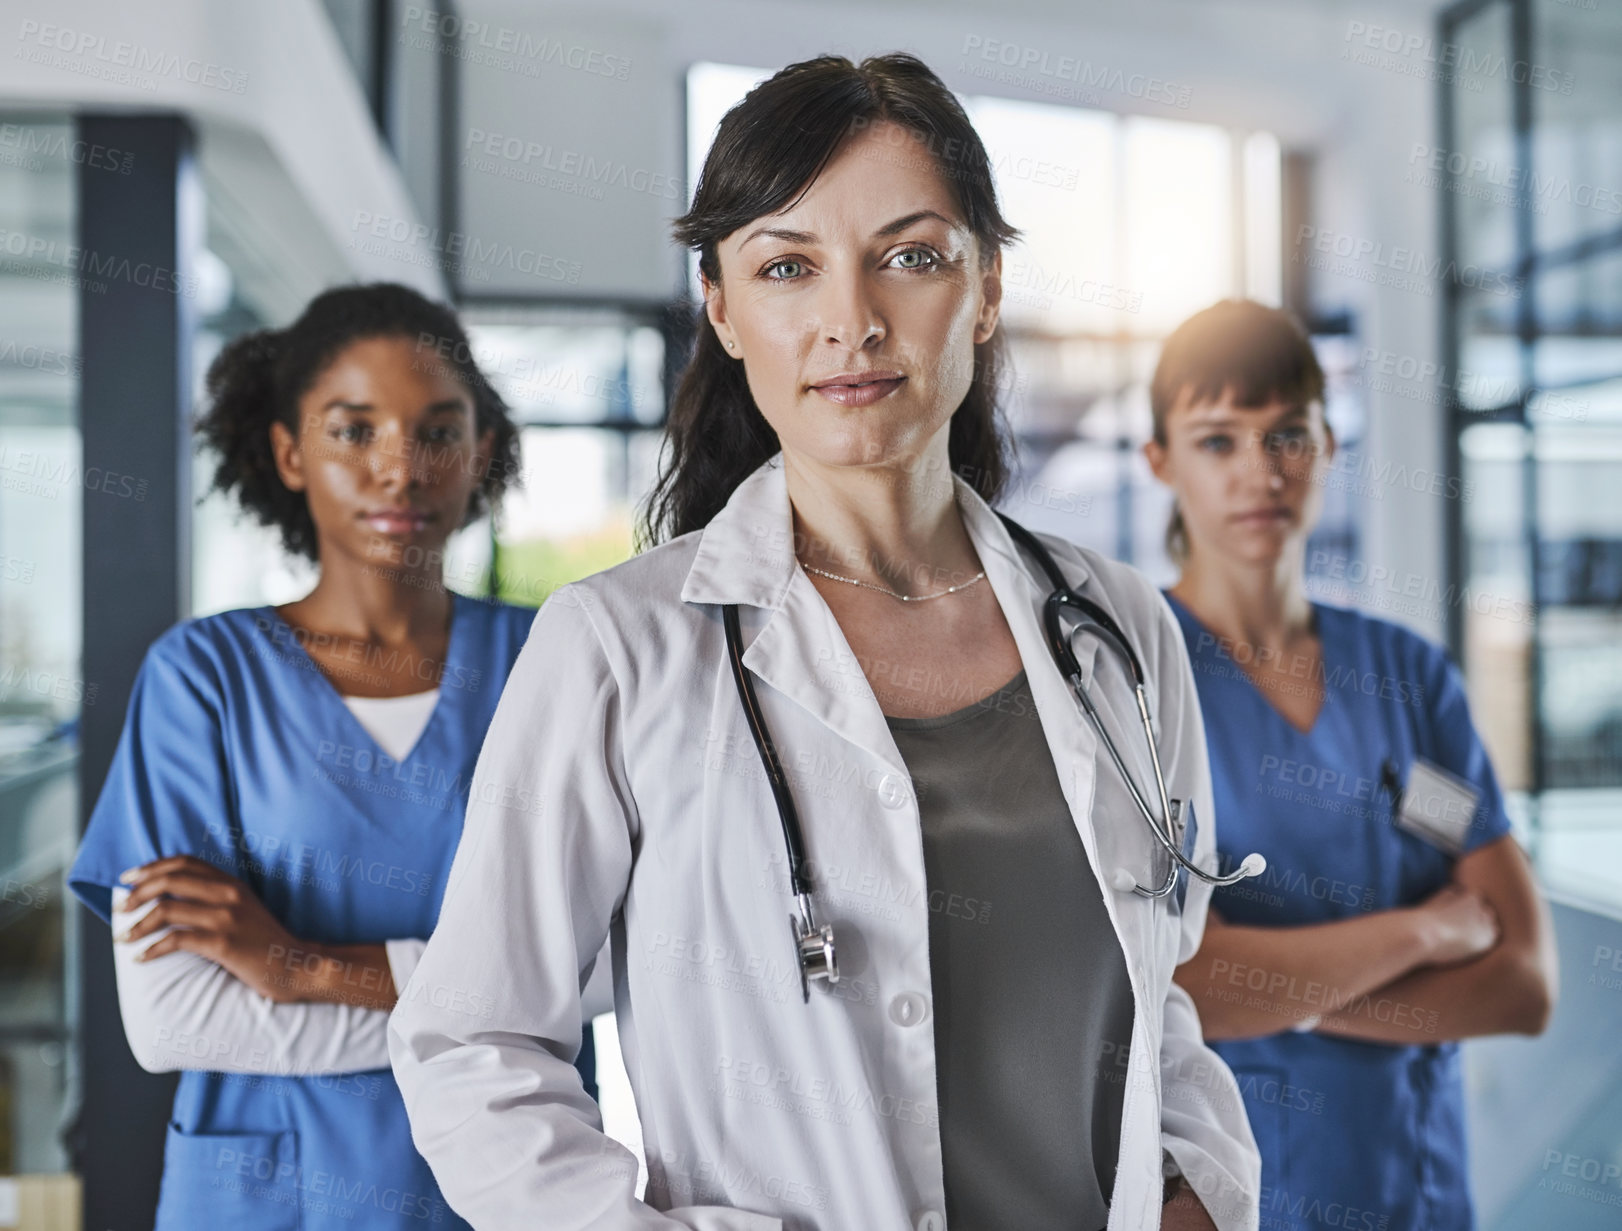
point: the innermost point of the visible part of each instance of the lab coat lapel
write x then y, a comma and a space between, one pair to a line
802, 652
746, 556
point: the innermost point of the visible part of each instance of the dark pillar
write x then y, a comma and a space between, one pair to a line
139, 234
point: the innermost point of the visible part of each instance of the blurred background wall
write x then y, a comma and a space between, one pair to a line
1435, 189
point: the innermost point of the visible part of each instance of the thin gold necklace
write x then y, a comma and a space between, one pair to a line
905, 598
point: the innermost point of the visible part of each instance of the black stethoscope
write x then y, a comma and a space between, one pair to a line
814, 944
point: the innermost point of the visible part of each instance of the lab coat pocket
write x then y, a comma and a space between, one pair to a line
229, 1182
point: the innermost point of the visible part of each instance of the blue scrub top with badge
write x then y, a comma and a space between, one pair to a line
238, 750
1353, 1135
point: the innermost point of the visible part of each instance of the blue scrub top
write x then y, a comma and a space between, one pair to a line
1357, 1135
238, 750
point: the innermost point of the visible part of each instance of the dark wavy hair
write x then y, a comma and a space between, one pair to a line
259, 377
767, 152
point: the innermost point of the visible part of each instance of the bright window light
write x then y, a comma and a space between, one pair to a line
712, 91
1264, 219
1055, 171
1178, 200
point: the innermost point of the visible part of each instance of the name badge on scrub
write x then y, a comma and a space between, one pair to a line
1437, 807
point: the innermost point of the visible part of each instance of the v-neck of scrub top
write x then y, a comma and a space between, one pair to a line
1312, 801
334, 700
1319, 630
396, 723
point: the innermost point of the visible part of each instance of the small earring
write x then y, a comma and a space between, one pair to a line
731, 345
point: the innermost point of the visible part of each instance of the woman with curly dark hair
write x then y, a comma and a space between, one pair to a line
274, 836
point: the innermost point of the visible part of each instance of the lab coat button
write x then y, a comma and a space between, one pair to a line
931, 1220
908, 1009
892, 791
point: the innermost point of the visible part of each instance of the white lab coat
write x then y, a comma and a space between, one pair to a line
619, 793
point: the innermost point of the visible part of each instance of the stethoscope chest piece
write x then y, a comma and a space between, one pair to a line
815, 948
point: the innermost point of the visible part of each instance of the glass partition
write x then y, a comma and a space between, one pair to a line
1533, 189
42, 487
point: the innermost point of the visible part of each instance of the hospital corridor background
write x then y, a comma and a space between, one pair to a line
1432, 187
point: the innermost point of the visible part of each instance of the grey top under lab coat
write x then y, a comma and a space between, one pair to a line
1033, 1004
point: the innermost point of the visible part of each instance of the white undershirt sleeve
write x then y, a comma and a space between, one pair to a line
182, 1011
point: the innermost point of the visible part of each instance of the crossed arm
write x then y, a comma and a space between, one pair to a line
208, 978
1476, 958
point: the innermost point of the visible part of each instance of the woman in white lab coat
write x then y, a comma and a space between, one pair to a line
1004, 1046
